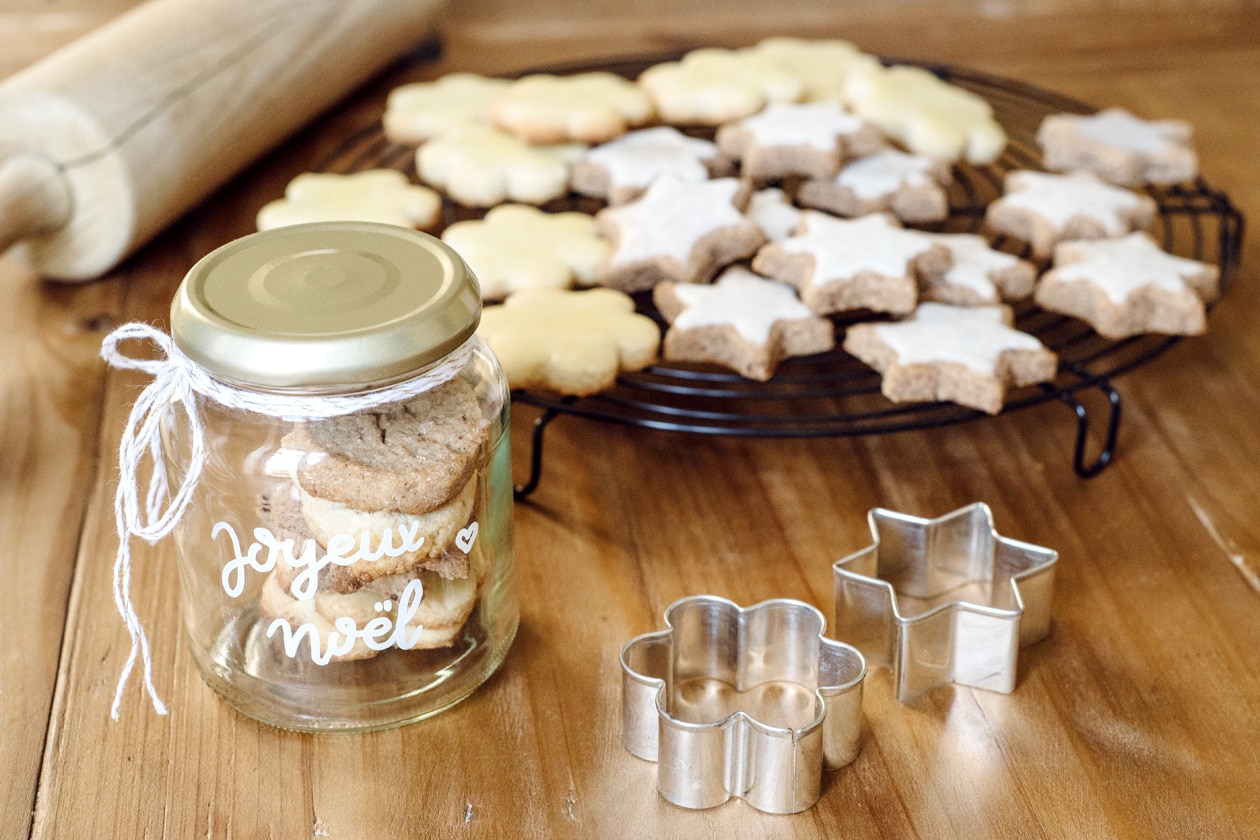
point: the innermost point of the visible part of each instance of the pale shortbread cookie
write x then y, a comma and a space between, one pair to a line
423, 110
620, 170
978, 275
1119, 147
911, 187
713, 86
437, 530
575, 342
584, 108
479, 166
925, 114
276, 603
867, 263
821, 65
375, 195
965, 355
811, 139
443, 609
772, 211
410, 457
677, 231
1044, 209
1128, 286
517, 247
742, 321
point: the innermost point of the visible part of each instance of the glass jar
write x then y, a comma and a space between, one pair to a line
346, 561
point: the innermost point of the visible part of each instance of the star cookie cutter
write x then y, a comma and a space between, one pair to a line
944, 600
742, 702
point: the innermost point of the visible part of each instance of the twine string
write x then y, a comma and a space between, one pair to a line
177, 380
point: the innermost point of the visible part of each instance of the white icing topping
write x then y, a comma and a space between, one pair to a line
974, 336
747, 301
770, 210
817, 125
841, 248
672, 216
1118, 128
1121, 266
974, 262
1060, 197
883, 173
640, 157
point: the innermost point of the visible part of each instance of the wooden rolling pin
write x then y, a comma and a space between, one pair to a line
108, 140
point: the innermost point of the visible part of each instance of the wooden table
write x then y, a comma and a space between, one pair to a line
1138, 717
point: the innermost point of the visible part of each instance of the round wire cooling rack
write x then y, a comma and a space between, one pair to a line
833, 394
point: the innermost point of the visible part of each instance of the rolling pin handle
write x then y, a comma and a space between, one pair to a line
34, 198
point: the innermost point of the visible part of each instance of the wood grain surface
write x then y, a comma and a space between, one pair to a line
1138, 717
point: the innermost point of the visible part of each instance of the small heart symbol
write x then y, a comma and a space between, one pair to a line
464, 539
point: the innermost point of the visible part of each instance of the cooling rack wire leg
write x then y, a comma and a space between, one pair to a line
1068, 398
536, 455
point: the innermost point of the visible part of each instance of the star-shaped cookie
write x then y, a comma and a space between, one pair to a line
810, 139
1044, 209
584, 108
1128, 286
1119, 147
925, 114
978, 275
867, 263
677, 231
479, 166
518, 247
944, 600
963, 354
620, 170
375, 195
911, 187
742, 321
575, 342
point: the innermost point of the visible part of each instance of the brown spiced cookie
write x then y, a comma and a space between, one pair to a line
966, 355
867, 263
1119, 147
911, 187
811, 140
620, 171
742, 321
978, 275
409, 457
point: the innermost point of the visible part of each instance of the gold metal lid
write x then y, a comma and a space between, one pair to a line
325, 307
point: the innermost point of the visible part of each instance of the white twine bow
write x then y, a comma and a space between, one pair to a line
177, 380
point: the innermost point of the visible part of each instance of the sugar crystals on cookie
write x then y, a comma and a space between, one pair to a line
867, 263
742, 321
677, 231
1128, 286
966, 355
1119, 147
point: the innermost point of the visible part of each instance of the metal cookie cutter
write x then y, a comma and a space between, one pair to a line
944, 600
742, 702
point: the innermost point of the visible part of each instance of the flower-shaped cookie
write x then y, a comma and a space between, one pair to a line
911, 187
481, 167
822, 66
376, 195
419, 111
1044, 209
573, 342
925, 114
944, 600
587, 108
810, 139
517, 247
677, 231
962, 354
1119, 147
867, 263
712, 86
1128, 286
751, 702
619, 171
742, 321
978, 275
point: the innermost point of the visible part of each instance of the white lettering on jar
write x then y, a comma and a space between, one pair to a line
378, 634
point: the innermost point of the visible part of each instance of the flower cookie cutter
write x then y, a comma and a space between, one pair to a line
943, 600
749, 702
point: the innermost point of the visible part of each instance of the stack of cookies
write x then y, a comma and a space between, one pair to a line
392, 496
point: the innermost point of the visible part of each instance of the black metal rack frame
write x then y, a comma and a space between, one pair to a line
835, 395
